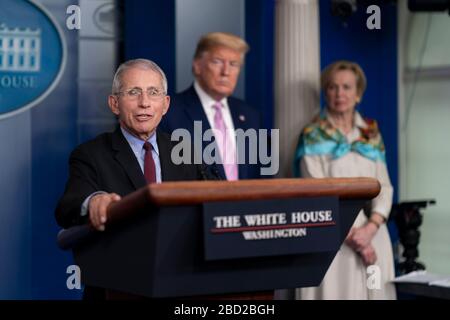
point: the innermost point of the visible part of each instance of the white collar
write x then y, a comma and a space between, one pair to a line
358, 121
205, 98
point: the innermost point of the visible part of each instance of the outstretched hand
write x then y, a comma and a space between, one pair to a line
98, 206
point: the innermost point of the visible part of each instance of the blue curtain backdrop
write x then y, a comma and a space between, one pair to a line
149, 32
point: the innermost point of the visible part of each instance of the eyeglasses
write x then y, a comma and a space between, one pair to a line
136, 93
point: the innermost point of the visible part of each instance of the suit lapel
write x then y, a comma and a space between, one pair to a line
238, 116
239, 122
195, 112
169, 171
126, 158
194, 109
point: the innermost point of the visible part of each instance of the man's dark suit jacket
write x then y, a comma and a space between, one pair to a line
185, 108
107, 163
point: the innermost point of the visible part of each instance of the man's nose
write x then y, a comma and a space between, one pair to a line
144, 100
226, 68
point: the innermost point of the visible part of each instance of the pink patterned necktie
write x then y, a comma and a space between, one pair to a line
226, 147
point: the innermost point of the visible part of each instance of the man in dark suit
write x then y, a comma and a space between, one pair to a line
115, 164
216, 67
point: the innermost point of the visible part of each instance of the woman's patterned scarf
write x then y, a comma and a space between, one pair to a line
321, 138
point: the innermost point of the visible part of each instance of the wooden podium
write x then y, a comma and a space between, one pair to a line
154, 244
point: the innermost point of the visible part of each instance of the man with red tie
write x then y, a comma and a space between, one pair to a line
115, 164
216, 66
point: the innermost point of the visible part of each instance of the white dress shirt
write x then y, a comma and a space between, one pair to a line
207, 103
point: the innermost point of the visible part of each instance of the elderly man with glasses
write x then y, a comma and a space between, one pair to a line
115, 164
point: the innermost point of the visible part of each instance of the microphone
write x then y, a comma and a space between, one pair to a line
216, 173
210, 172
203, 172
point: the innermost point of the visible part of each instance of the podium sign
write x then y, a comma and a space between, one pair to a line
274, 227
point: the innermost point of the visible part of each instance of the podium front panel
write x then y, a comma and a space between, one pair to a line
161, 254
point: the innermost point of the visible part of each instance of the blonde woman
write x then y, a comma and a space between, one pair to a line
339, 142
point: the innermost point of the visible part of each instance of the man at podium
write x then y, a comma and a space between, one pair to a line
117, 163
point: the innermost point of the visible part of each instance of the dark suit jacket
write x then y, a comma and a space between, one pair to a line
185, 108
107, 163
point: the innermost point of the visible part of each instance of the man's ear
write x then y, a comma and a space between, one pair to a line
196, 67
166, 104
113, 103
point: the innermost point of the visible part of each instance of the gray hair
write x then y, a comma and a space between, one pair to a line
137, 63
